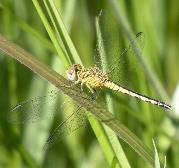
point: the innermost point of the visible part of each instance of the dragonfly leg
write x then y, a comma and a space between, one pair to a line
74, 83
94, 96
81, 88
93, 91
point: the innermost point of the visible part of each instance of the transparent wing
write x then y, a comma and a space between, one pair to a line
31, 110
117, 61
138, 41
99, 54
74, 121
126, 68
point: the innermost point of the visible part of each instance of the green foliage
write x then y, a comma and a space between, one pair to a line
38, 29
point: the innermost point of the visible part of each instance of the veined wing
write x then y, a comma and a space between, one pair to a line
117, 64
31, 110
71, 124
137, 42
126, 61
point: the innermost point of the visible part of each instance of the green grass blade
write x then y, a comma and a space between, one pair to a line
103, 140
51, 33
61, 31
118, 152
157, 160
69, 11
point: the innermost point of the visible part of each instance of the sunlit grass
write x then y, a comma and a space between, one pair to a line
24, 26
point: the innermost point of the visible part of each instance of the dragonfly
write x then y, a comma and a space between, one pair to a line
93, 78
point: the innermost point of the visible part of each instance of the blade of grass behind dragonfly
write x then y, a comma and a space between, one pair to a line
116, 148
60, 28
61, 31
51, 34
157, 158
69, 9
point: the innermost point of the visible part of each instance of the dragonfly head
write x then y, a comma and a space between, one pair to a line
72, 72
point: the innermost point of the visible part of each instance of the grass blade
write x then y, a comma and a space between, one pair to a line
51, 33
118, 152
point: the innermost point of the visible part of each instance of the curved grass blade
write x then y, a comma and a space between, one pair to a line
119, 64
61, 31
117, 151
30, 110
51, 33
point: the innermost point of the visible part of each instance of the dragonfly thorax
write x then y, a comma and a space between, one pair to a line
72, 72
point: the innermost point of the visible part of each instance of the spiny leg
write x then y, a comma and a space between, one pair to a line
93, 91
76, 82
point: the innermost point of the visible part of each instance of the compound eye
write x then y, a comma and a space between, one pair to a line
71, 74
72, 71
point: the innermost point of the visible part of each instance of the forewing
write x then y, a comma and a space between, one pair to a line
117, 60
31, 110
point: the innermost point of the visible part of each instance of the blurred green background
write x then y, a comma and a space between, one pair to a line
21, 144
